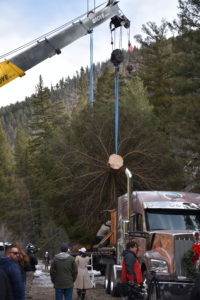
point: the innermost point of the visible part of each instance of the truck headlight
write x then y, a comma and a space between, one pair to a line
159, 266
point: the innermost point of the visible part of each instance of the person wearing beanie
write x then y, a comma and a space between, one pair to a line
63, 273
83, 281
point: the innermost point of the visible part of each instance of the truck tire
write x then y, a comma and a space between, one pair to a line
146, 282
114, 291
153, 295
108, 278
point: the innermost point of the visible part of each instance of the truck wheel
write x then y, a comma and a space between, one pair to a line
153, 295
114, 291
103, 271
108, 278
146, 283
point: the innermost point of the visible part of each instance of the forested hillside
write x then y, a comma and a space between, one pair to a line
54, 175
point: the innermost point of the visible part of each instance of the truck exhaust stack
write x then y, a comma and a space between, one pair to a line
129, 190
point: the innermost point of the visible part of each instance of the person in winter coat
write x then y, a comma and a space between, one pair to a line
103, 231
131, 271
83, 281
10, 266
30, 267
46, 260
5, 288
63, 273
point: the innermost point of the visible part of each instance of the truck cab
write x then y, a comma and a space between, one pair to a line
163, 223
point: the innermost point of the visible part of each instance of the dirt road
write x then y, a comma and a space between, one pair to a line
42, 289
44, 293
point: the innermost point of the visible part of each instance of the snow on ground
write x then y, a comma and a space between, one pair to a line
42, 277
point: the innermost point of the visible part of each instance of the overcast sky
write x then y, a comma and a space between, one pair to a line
22, 21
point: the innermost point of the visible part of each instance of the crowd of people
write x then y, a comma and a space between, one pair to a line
17, 267
67, 272
16, 271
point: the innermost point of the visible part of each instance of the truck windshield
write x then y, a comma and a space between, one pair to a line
172, 220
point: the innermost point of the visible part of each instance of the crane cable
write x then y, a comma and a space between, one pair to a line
116, 59
116, 108
91, 61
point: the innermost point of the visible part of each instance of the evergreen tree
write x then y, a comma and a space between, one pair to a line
21, 152
81, 181
46, 115
104, 92
41, 116
188, 16
153, 66
185, 82
12, 207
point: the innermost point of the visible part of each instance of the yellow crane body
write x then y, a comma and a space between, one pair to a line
8, 72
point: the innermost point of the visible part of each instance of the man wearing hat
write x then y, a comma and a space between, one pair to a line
63, 273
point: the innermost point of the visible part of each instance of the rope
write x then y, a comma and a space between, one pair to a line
116, 107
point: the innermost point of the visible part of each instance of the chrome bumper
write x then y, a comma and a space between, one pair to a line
175, 290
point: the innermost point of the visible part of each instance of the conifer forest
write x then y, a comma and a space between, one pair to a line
55, 179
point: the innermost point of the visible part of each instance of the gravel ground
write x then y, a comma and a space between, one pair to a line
42, 288
44, 293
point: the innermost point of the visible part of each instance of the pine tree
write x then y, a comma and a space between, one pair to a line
46, 118
21, 152
41, 116
12, 207
185, 82
153, 66
189, 16
81, 181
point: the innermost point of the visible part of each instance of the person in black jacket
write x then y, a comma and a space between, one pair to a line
31, 267
5, 290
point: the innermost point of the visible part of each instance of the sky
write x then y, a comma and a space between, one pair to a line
25, 20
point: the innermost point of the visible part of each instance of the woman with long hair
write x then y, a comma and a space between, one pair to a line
23, 259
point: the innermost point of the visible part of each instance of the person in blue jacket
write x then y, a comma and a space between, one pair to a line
10, 266
5, 289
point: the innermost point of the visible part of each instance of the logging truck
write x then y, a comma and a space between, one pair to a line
166, 225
